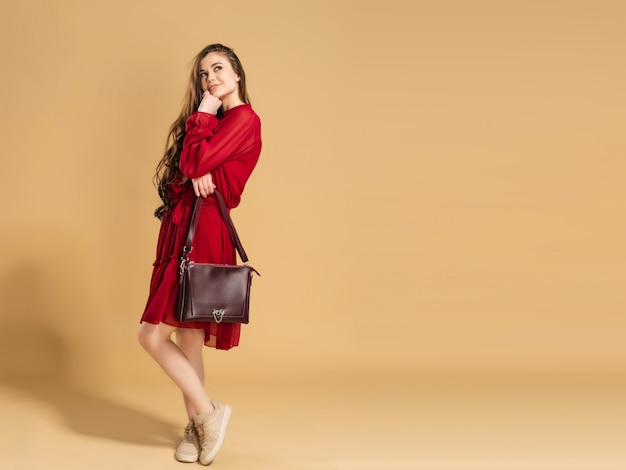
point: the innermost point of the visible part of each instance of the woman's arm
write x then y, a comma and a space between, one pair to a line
206, 147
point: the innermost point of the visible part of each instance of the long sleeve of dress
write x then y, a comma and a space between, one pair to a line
210, 142
229, 149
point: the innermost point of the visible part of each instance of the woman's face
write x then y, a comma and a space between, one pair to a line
218, 78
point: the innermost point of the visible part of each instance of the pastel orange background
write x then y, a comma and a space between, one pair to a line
441, 186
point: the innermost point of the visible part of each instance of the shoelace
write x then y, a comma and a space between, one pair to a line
200, 431
189, 435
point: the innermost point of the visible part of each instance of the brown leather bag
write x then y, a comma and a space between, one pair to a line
214, 292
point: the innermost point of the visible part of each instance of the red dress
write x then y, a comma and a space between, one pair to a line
229, 149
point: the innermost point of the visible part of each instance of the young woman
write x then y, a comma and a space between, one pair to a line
214, 144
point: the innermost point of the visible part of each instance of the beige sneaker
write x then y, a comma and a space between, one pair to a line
189, 448
211, 430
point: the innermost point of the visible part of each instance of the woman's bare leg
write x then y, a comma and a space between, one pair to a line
156, 340
191, 342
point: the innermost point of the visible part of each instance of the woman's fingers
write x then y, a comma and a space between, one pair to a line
196, 187
203, 186
209, 104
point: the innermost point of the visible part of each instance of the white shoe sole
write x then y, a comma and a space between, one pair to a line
220, 440
185, 458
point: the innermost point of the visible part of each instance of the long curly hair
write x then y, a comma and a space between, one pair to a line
167, 170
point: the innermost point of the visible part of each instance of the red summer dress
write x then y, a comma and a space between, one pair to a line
229, 149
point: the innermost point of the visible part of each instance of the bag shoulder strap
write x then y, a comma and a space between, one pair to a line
232, 232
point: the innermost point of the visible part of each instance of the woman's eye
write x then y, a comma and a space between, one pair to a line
203, 75
217, 68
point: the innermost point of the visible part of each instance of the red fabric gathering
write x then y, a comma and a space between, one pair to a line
229, 149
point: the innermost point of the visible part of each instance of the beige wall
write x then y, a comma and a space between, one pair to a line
441, 185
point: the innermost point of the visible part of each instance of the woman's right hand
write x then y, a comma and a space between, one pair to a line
209, 104
203, 186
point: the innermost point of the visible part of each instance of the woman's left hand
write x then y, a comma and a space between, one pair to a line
203, 186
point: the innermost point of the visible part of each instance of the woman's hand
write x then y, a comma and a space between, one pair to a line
209, 104
203, 186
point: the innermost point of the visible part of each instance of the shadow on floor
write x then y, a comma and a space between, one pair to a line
44, 353
94, 416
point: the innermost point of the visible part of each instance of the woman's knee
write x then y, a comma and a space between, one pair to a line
151, 336
143, 335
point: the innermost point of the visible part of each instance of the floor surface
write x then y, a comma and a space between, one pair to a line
330, 423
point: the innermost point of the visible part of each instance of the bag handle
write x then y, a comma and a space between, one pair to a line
232, 232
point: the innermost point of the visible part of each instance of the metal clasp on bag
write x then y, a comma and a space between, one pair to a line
218, 314
184, 261
183, 265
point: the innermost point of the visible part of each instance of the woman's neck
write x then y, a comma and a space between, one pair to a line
233, 102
